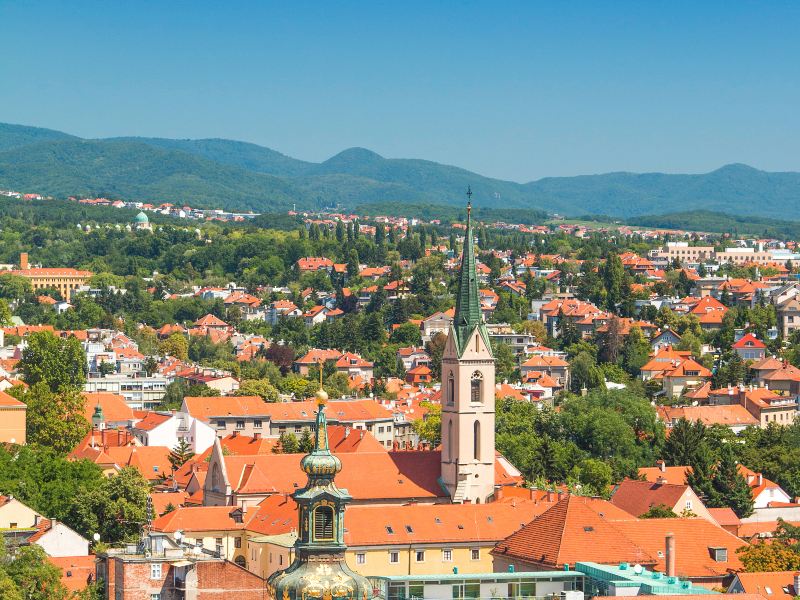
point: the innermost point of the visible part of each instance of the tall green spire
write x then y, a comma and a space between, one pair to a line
468, 305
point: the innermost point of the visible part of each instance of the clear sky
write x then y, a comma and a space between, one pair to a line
513, 90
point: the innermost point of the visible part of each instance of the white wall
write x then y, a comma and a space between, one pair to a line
60, 540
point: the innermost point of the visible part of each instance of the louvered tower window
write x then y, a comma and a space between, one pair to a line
323, 523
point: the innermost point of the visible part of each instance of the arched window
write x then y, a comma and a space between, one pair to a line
323, 523
239, 560
451, 390
476, 387
450, 439
216, 478
476, 432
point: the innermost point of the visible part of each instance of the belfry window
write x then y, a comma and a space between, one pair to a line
451, 390
476, 387
323, 523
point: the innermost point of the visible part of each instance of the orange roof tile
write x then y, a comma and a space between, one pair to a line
115, 409
637, 497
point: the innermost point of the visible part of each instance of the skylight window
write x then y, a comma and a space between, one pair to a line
409, 529
389, 530
588, 528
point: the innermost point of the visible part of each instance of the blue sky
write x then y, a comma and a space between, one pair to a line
518, 90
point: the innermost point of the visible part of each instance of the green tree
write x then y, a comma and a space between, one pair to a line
613, 275
659, 511
429, 428
595, 476
176, 345
781, 553
635, 351
5, 313
505, 362
353, 264
731, 486
32, 574
259, 387
15, 287
56, 362
9, 589
435, 349
117, 509
287, 444
406, 334
180, 454
683, 443
55, 419
306, 442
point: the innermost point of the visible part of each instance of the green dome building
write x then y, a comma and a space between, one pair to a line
141, 218
319, 570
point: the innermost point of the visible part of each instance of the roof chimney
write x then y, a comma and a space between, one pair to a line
235, 433
257, 435
760, 479
23, 260
662, 466
670, 540
796, 581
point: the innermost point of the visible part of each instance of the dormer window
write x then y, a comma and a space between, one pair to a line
719, 554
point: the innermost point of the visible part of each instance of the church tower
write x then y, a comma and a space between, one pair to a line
468, 454
319, 570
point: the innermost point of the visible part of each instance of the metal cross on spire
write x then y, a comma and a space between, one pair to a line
469, 199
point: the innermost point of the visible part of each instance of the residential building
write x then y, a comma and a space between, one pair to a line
734, 416
749, 347
13, 420
638, 497
141, 393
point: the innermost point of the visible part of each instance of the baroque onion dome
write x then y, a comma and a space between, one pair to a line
319, 570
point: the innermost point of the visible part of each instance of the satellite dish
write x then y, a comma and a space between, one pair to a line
638, 569
96, 537
178, 536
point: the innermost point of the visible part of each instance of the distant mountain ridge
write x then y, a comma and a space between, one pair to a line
239, 175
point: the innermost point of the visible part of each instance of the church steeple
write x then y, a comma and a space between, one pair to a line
468, 379
468, 305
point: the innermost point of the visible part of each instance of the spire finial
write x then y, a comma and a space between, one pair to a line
469, 200
322, 395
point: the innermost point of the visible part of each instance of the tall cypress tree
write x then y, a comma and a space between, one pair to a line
732, 486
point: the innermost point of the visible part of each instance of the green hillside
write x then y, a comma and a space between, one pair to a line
17, 136
137, 171
238, 175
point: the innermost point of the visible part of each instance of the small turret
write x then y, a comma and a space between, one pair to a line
98, 420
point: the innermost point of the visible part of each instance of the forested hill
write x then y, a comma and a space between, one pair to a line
239, 175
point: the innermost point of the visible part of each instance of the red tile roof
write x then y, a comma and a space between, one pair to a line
637, 497
77, 572
115, 409
749, 341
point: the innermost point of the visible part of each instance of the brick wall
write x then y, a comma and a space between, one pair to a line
219, 580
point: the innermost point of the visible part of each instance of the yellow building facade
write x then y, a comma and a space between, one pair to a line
13, 418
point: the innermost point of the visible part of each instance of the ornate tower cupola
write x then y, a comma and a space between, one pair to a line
468, 453
98, 420
319, 570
